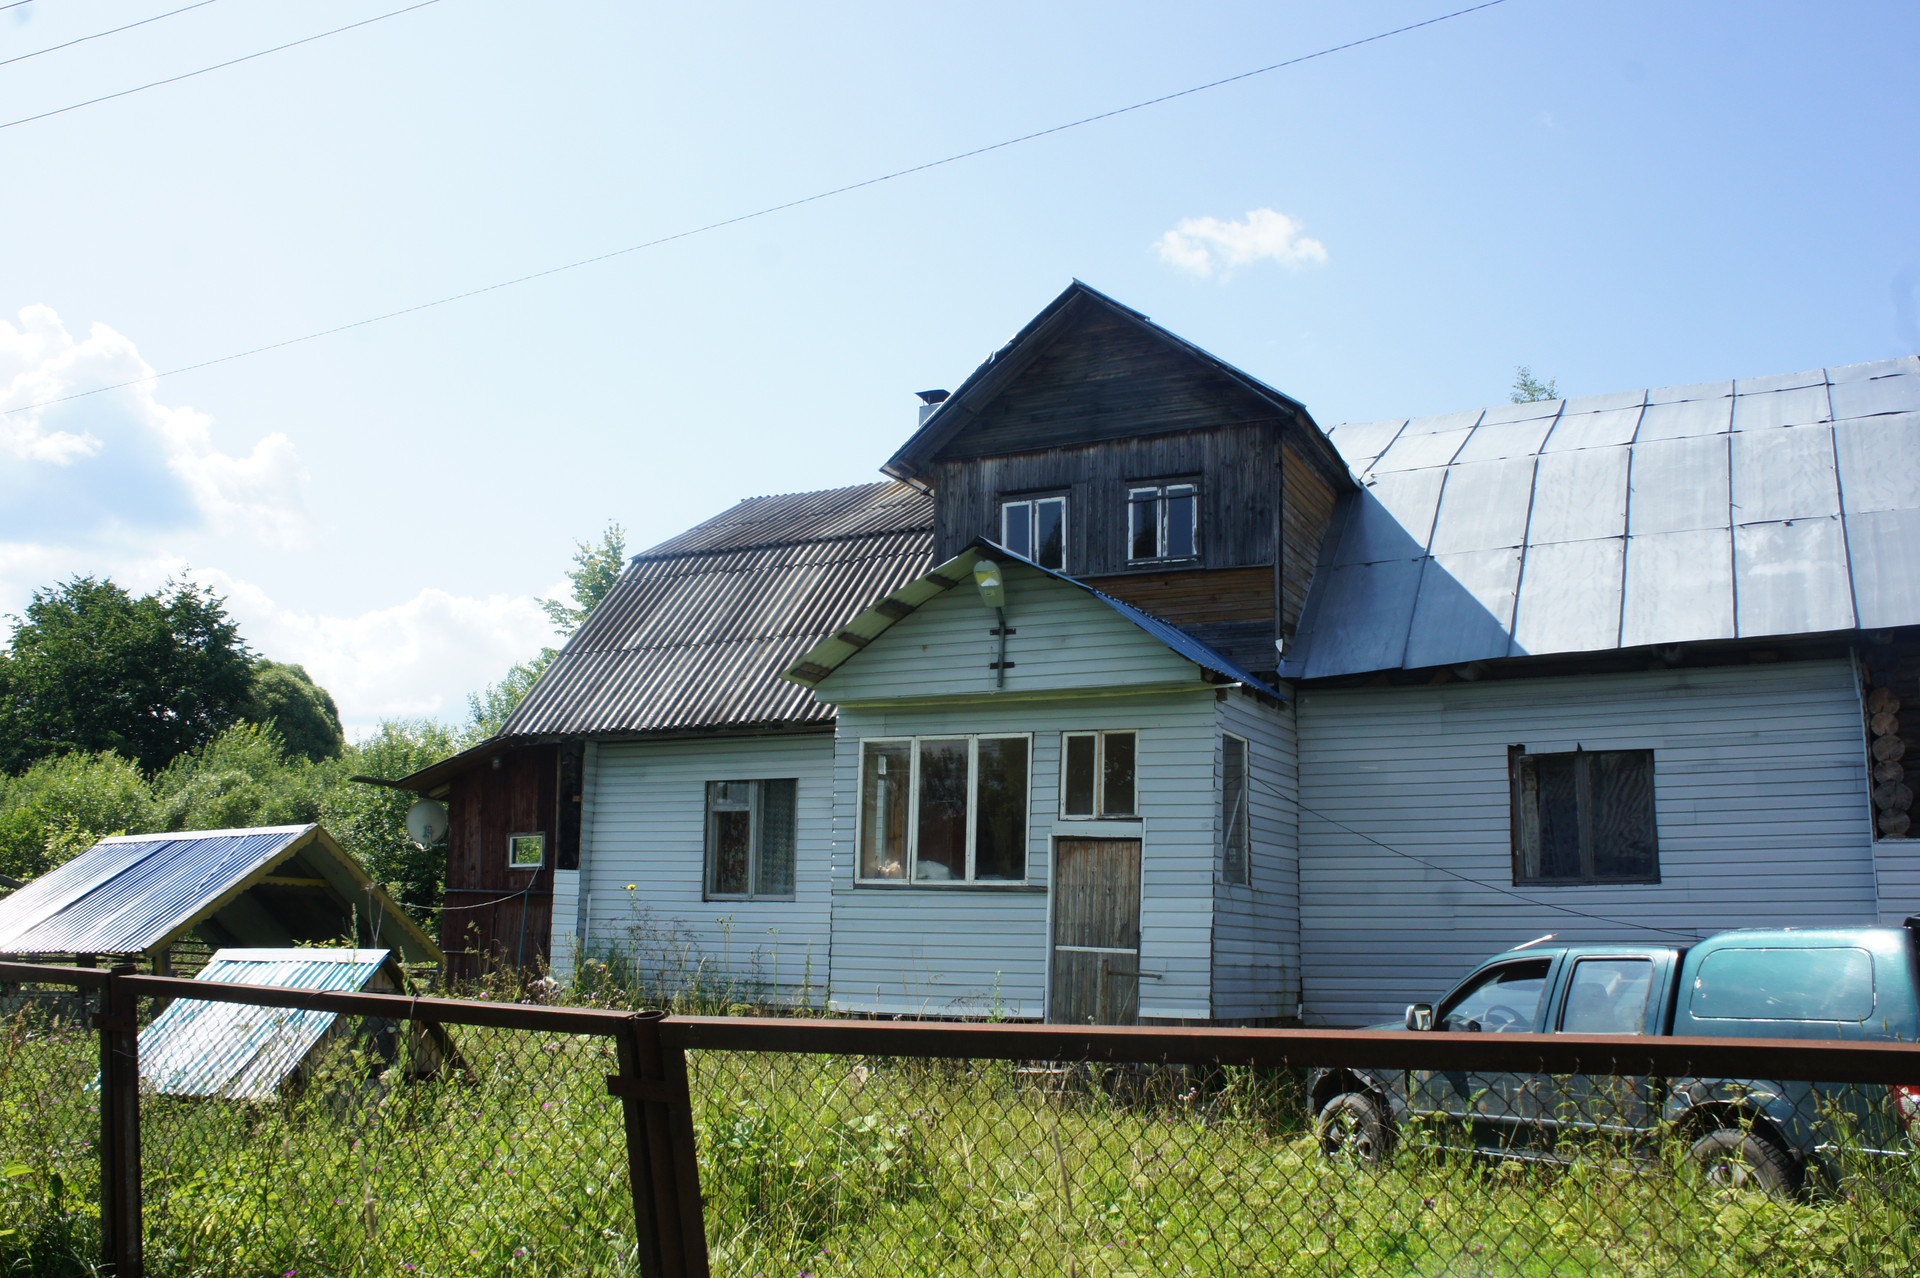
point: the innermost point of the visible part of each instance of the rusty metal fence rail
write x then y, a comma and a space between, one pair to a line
179, 1128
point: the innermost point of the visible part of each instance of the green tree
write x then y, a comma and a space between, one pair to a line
1528, 390
370, 821
300, 710
62, 806
242, 777
487, 710
94, 668
595, 569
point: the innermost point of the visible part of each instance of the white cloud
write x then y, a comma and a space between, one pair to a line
1206, 246
121, 465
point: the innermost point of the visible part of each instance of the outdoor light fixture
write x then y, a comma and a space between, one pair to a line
986, 575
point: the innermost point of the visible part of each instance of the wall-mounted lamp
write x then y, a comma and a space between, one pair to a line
986, 575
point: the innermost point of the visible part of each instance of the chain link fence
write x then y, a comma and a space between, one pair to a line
295, 1132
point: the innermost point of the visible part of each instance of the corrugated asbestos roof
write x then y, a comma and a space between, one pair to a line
695, 634
834, 651
1767, 506
132, 893
238, 1051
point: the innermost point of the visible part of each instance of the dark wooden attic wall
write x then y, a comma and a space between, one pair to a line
1890, 675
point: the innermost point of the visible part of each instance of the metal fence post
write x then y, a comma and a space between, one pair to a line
662, 1163
120, 1240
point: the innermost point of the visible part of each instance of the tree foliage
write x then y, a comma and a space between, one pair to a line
1529, 390
487, 710
595, 569
300, 710
94, 668
62, 806
371, 821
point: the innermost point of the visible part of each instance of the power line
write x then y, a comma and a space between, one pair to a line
15, 5
1479, 883
54, 48
759, 213
230, 62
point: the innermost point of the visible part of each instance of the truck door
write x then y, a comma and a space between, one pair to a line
1503, 999
1618, 992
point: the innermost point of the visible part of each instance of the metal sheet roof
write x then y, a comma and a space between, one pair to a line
1760, 507
835, 650
133, 893
238, 1051
695, 634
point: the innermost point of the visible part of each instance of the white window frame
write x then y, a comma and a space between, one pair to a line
1099, 736
540, 841
707, 890
1160, 494
911, 865
1029, 508
1246, 802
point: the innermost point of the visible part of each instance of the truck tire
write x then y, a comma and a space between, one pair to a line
1744, 1160
1353, 1128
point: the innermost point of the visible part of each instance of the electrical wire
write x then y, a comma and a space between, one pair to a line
230, 62
54, 48
1479, 883
15, 5
758, 213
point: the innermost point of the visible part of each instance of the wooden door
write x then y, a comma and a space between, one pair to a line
1096, 932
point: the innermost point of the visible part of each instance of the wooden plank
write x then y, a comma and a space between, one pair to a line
1096, 931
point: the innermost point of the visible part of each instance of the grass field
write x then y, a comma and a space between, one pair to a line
827, 1167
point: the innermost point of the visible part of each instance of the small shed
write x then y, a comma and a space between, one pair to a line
242, 1051
140, 894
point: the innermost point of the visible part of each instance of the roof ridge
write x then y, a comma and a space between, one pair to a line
715, 551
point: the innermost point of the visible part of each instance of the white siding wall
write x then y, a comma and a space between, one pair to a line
942, 951
1759, 773
1065, 638
647, 828
1256, 926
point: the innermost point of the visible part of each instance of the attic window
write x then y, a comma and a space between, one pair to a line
1583, 817
1036, 529
1163, 522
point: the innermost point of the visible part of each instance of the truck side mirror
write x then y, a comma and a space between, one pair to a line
1419, 1016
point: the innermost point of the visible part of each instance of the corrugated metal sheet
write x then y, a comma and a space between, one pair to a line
240, 1052
124, 894
696, 632
1762, 507
128, 894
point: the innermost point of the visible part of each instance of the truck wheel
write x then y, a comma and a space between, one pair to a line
1352, 1128
1742, 1160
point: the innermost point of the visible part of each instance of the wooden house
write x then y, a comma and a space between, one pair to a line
1136, 695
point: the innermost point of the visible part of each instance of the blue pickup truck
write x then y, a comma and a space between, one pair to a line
1851, 984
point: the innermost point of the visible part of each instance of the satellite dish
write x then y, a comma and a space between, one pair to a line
427, 822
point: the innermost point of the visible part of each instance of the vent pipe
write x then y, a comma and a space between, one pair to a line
930, 400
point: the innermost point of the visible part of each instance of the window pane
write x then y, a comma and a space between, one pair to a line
941, 852
773, 869
1076, 777
1608, 996
1143, 512
1785, 985
1000, 813
1182, 519
1016, 527
1233, 809
886, 770
1116, 781
1050, 535
728, 839
1559, 817
1505, 1000
1620, 787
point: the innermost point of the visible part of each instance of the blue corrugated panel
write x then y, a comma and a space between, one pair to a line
125, 894
238, 1051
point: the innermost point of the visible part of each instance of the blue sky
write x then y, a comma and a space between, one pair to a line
1617, 194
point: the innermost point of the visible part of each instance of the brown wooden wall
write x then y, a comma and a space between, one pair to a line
495, 916
1306, 512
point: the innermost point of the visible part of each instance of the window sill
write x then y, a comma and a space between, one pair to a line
749, 900
903, 885
1567, 883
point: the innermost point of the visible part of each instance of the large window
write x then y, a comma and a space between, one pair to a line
944, 809
1236, 862
1163, 522
1098, 775
750, 840
1036, 529
1584, 817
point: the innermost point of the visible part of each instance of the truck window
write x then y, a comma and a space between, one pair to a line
1504, 1000
1608, 996
1827, 984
